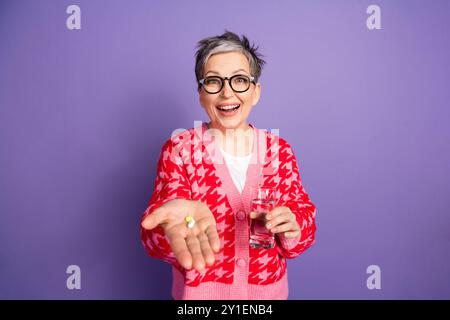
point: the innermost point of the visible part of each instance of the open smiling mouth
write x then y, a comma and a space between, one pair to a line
229, 109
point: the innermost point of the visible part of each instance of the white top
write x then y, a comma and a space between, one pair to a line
237, 166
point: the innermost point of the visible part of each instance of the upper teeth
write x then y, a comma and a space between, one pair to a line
228, 107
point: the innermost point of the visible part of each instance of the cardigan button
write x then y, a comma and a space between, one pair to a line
241, 215
241, 262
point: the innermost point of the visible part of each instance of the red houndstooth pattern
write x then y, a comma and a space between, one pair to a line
185, 170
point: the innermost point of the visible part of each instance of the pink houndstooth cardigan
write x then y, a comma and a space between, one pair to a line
191, 166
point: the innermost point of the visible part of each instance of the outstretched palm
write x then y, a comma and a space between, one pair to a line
193, 247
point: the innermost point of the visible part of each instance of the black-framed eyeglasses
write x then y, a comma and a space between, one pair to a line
238, 83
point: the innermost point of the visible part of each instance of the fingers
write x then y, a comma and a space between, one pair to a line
193, 245
289, 226
281, 220
213, 237
277, 211
209, 227
181, 251
154, 219
208, 254
274, 221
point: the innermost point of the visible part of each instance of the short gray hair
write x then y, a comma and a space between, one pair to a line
227, 42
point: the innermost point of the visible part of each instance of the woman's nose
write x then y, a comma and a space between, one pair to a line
226, 90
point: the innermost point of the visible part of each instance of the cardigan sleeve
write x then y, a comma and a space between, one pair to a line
171, 183
295, 197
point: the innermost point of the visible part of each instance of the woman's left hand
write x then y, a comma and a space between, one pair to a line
281, 220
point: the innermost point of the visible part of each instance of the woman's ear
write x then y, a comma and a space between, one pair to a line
256, 93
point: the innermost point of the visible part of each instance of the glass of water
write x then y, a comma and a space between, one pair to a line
263, 201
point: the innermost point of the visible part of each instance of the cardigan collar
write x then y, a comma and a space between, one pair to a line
254, 171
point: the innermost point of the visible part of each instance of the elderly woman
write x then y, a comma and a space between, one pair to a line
200, 213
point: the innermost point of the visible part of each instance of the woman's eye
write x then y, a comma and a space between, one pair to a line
240, 80
212, 81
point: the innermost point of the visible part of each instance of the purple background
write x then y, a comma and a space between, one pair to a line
84, 113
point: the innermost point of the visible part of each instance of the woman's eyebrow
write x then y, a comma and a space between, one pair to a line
212, 72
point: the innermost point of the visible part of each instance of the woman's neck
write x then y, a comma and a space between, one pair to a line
237, 142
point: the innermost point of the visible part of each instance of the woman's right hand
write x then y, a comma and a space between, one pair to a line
193, 247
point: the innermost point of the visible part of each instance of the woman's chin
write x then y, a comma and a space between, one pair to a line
230, 124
